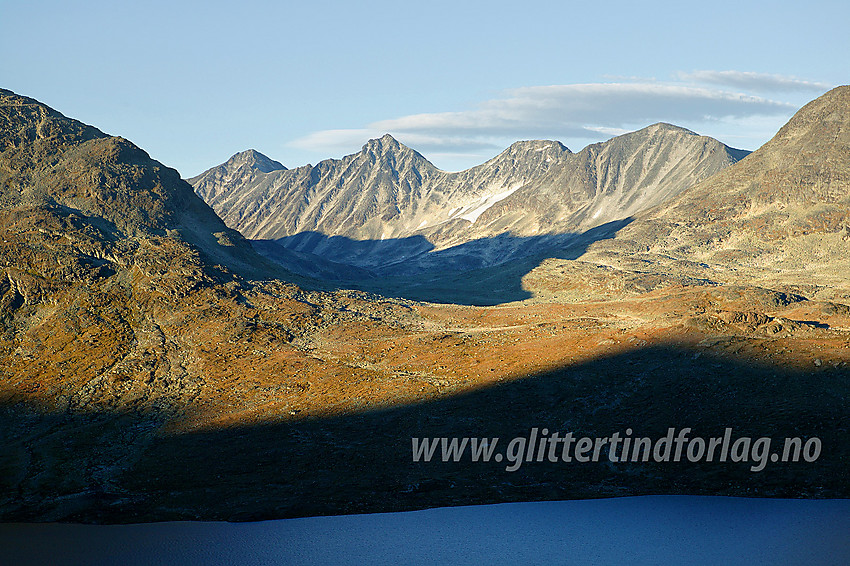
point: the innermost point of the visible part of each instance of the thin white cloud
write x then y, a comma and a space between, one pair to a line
759, 82
608, 131
334, 140
581, 109
585, 111
431, 142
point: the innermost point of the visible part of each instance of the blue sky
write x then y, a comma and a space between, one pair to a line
195, 82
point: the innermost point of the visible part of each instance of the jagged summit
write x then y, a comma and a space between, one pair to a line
388, 146
255, 160
385, 141
537, 144
524, 146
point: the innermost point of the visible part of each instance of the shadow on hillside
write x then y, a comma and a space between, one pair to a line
107, 467
483, 272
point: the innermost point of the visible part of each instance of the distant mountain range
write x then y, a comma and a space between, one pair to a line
387, 209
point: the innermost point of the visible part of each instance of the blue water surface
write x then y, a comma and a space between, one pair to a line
634, 531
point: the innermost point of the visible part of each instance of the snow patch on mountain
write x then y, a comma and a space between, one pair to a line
473, 211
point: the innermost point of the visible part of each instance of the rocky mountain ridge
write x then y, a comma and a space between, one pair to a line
387, 205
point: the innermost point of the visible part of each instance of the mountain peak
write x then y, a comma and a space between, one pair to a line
388, 146
838, 99
532, 152
538, 145
825, 117
255, 160
665, 133
667, 127
383, 143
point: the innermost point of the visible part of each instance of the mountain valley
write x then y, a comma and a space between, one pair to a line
154, 366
